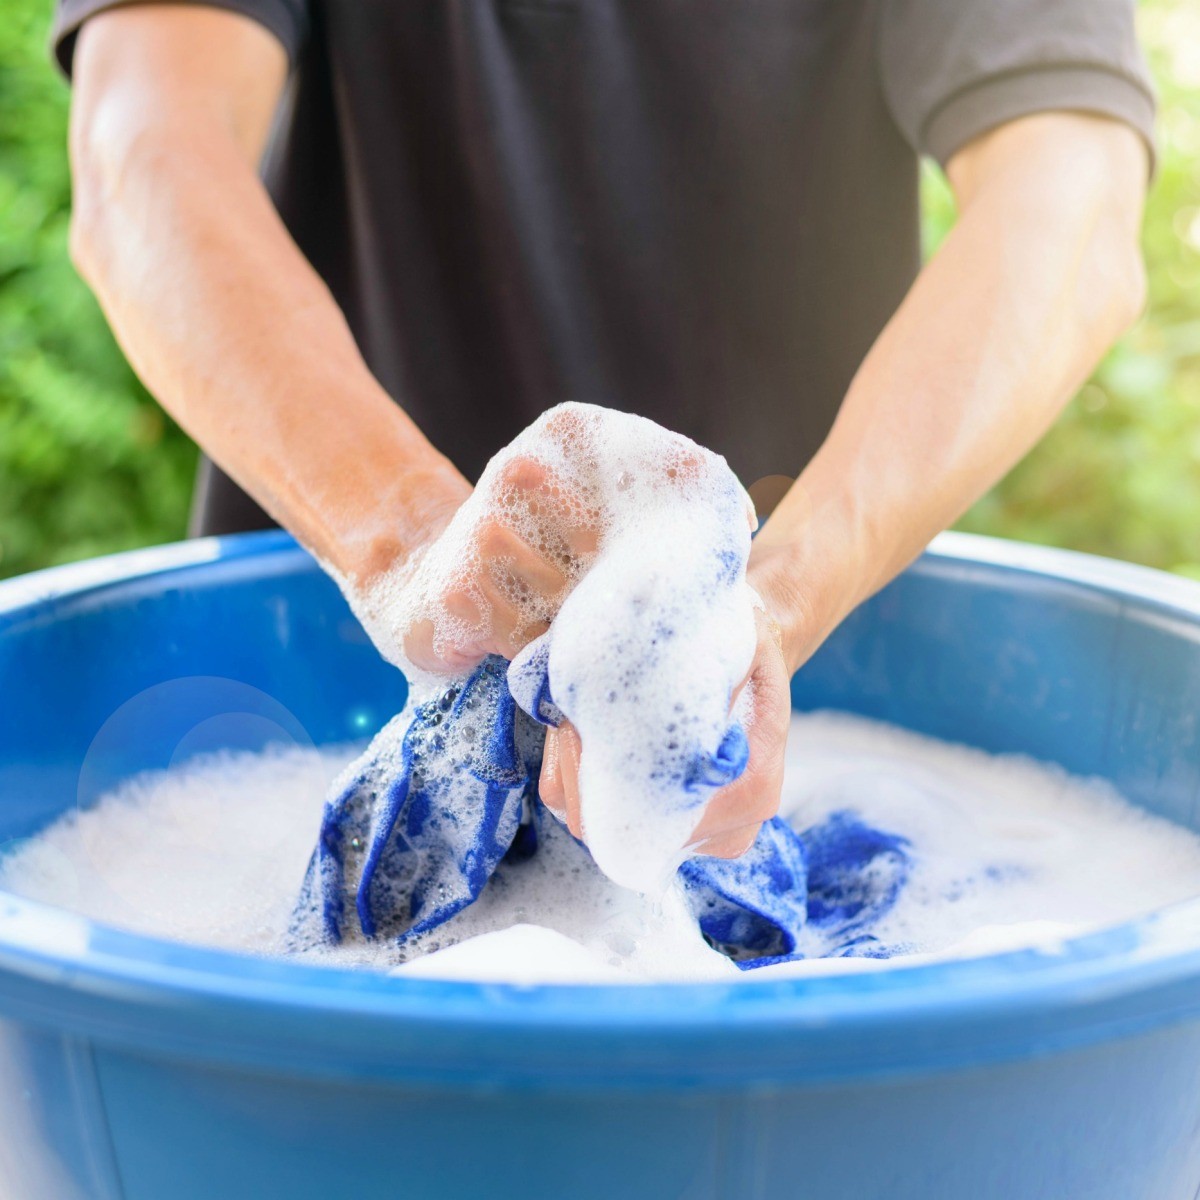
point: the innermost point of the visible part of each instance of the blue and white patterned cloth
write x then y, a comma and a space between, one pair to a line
426, 820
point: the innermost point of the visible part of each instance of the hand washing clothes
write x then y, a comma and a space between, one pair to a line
447, 792
653, 630
642, 657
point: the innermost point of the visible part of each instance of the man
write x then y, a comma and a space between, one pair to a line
700, 210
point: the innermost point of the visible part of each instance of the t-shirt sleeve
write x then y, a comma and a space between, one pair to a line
286, 19
953, 69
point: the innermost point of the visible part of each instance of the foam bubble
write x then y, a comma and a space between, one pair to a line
653, 624
1007, 852
519, 954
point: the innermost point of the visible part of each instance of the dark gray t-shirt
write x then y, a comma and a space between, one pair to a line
698, 210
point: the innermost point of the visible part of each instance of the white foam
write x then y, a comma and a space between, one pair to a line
213, 851
1007, 852
652, 629
529, 954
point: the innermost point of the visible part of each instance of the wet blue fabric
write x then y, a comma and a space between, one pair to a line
813, 894
396, 858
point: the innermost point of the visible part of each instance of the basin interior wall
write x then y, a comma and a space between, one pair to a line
133, 1070
993, 656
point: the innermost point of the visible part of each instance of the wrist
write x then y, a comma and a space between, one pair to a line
809, 566
376, 542
395, 515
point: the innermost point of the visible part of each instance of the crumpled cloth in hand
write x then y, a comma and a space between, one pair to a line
448, 790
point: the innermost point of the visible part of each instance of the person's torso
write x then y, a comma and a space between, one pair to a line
697, 210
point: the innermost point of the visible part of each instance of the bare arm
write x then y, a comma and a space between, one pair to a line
1039, 276
212, 302
237, 336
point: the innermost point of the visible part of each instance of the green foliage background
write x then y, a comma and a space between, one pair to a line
89, 464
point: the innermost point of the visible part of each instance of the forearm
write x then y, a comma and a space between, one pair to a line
1038, 277
236, 335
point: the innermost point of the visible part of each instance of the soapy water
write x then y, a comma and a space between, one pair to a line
653, 625
1006, 852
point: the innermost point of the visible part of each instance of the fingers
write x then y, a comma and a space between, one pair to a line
559, 782
420, 650
769, 634
735, 813
530, 494
731, 845
489, 621
528, 552
744, 804
482, 620
570, 752
526, 539
515, 563
550, 784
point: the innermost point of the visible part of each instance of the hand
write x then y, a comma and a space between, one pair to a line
501, 573
734, 814
522, 552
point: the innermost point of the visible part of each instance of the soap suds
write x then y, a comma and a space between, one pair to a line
653, 626
1006, 852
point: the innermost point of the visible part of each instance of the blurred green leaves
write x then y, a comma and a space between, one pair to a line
1120, 472
89, 464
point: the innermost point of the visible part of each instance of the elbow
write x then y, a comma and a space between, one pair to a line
1075, 186
1110, 271
86, 231
111, 151
1130, 286
1112, 283
82, 234
1112, 277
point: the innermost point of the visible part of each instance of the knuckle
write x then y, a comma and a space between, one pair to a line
495, 541
523, 473
461, 605
563, 422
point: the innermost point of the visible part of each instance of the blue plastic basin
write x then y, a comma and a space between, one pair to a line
143, 1070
